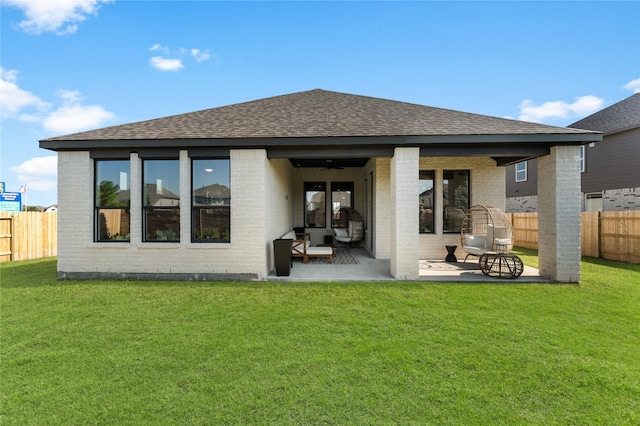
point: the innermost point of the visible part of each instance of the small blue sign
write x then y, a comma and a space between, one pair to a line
10, 201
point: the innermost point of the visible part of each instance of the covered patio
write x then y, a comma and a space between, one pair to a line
368, 268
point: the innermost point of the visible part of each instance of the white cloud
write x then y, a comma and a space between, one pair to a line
13, 99
69, 95
200, 55
157, 48
633, 85
76, 117
172, 60
69, 117
166, 64
39, 173
583, 105
59, 16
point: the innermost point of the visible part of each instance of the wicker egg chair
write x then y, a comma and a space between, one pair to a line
486, 229
349, 226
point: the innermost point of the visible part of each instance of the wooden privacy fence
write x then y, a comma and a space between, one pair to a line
28, 235
609, 235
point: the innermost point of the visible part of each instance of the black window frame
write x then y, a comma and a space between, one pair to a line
172, 236
315, 187
449, 216
341, 186
98, 208
223, 237
434, 201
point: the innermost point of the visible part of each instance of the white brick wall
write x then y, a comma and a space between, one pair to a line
75, 215
559, 215
253, 182
279, 203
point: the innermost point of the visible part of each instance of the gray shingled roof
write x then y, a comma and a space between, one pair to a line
624, 115
316, 113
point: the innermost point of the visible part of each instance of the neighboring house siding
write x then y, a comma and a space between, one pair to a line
613, 163
611, 168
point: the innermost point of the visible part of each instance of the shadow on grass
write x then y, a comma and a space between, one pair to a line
634, 267
43, 273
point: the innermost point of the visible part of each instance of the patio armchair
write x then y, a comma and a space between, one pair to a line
352, 234
486, 229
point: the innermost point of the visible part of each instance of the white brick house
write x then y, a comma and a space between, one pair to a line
202, 195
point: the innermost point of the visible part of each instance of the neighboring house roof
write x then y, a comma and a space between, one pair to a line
624, 115
316, 114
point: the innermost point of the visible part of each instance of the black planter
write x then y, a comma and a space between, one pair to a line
282, 256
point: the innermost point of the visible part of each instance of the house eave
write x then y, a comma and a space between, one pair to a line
550, 139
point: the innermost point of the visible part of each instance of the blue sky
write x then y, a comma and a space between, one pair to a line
74, 65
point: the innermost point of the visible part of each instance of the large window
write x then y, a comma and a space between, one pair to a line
341, 197
455, 199
521, 171
161, 200
426, 201
112, 196
211, 201
315, 201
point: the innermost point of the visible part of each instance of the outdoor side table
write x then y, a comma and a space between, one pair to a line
451, 256
501, 265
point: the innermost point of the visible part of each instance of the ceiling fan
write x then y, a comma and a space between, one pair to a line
331, 166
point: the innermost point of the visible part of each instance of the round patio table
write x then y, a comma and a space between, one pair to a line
501, 265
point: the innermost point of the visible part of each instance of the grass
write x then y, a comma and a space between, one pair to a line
133, 352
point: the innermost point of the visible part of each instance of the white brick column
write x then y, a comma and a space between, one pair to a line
135, 208
248, 209
185, 197
559, 214
405, 243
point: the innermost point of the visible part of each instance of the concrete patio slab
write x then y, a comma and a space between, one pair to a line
370, 269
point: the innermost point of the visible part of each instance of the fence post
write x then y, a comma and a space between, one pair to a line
599, 233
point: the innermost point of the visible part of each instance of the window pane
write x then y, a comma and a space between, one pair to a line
455, 199
111, 196
161, 183
162, 224
521, 171
341, 196
426, 201
113, 224
161, 200
211, 200
212, 224
112, 183
315, 197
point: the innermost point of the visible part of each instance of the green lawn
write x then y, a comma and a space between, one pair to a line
127, 352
